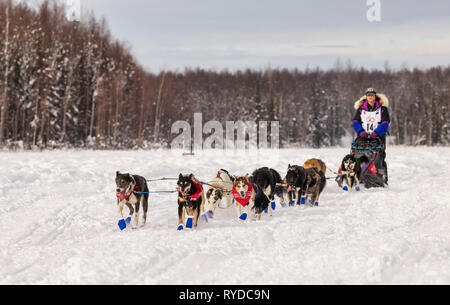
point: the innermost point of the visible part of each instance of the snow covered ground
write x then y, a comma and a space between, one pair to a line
59, 224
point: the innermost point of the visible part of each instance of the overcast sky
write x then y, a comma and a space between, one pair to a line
239, 34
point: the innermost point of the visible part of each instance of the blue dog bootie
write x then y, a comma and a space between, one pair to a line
345, 188
357, 188
283, 204
303, 200
180, 228
292, 203
266, 211
274, 205
122, 224
205, 217
316, 204
243, 217
128, 220
190, 222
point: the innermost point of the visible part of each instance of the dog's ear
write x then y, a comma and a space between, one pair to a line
117, 174
234, 180
246, 178
190, 176
180, 177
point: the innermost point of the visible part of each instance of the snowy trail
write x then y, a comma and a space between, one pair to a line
58, 224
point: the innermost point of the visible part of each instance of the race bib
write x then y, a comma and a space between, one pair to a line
370, 120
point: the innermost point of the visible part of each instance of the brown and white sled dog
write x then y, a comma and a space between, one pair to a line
132, 191
249, 197
191, 201
314, 185
316, 163
220, 188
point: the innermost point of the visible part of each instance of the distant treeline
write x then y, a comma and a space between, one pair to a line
69, 84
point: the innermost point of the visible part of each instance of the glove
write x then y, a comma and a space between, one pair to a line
363, 134
374, 135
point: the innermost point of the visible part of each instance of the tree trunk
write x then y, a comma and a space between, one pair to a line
141, 115
159, 103
4, 105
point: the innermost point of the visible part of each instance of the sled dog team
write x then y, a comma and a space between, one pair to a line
251, 194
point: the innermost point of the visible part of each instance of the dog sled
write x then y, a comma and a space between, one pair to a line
371, 155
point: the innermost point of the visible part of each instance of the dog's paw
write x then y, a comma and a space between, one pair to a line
180, 228
274, 205
205, 217
266, 211
243, 217
134, 228
190, 222
357, 188
303, 200
345, 188
316, 204
283, 205
122, 224
128, 220
292, 203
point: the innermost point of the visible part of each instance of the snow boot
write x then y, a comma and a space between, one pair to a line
122, 224
128, 220
190, 222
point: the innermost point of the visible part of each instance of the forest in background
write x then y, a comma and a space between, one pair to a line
71, 85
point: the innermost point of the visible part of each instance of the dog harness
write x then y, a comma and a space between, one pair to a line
243, 201
199, 192
194, 196
121, 196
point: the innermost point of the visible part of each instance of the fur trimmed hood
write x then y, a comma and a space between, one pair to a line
381, 98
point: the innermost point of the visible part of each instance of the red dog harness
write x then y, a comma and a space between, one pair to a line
197, 194
248, 195
122, 197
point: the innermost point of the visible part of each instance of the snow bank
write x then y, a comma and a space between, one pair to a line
59, 218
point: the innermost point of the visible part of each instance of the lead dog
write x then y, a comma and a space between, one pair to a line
129, 190
191, 201
220, 187
249, 196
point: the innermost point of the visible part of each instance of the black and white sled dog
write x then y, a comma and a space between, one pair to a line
132, 191
267, 179
220, 187
314, 185
250, 197
191, 201
296, 180
350, 174
279, 190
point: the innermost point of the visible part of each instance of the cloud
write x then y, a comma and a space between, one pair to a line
253, 33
